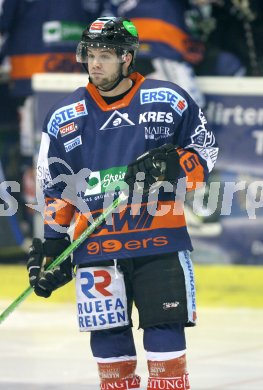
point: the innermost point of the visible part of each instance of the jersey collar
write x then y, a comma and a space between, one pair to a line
124, 102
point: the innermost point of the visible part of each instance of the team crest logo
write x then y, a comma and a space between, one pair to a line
117, 120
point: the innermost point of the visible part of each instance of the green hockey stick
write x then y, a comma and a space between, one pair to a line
67, 252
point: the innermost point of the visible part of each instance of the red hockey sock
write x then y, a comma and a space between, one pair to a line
124, 384
168, 374
119, 375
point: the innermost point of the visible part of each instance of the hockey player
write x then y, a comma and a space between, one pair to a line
123, 132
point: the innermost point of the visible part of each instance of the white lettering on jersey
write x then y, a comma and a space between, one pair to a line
157, 132
153, 116
43, 173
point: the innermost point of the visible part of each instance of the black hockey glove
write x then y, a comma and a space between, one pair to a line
160, 164
44, 282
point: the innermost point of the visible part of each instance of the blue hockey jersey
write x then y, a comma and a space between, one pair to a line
85, 149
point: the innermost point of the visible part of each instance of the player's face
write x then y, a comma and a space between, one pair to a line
104, 67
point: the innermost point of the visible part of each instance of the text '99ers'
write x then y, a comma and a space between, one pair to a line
111, 246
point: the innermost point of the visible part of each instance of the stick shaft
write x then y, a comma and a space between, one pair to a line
65, 254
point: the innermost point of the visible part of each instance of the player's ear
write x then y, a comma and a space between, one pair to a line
127, 59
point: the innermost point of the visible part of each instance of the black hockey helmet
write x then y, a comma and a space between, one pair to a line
109, 32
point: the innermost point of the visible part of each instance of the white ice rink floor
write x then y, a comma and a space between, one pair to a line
42, 349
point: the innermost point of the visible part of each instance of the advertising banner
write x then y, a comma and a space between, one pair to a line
234, 232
